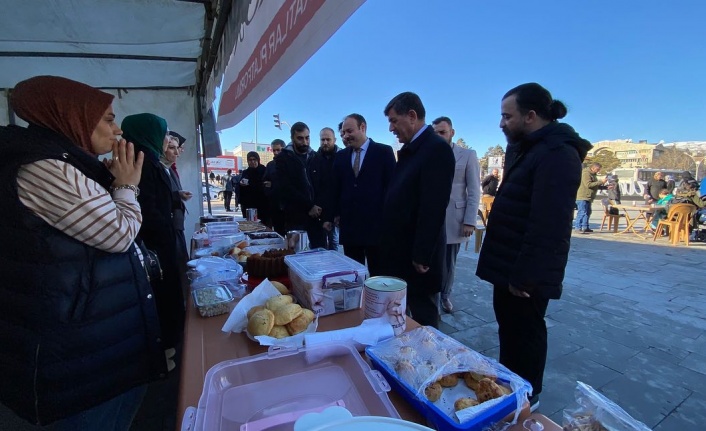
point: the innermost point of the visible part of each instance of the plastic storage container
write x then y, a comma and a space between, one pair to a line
212, 300
221, 229
437, 418
326, 281
272, 390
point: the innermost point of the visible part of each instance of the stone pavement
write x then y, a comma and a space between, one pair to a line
630, 323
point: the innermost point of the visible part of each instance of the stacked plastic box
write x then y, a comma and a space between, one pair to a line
326, 281
272, 390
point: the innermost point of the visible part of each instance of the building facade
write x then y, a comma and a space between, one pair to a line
242, 150
630, 154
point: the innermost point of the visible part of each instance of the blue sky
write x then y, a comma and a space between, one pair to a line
625, 68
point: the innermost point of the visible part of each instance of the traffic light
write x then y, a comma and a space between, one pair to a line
277, 123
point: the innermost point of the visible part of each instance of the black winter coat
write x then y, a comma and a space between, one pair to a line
295, 188
413, 218
78, 326
529, 229
253, 195
321, 174
159, 234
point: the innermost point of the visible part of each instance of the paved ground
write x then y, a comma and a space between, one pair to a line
630, 324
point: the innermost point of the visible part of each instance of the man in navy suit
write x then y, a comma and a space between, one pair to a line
414, 234
361, 173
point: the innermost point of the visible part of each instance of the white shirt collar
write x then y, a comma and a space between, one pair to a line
416, 135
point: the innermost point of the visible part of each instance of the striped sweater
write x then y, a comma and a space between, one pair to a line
78, 206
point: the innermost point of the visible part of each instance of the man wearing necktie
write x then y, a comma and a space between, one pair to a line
361, 173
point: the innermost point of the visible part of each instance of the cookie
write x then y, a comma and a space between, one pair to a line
464, 403
449, 380
433, 392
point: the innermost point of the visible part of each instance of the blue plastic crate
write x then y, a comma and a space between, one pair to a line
435, 416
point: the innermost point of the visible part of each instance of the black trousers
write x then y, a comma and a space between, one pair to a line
423, 306
227, 196
361, 253
523, 334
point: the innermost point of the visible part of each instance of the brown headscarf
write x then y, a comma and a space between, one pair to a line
67, 107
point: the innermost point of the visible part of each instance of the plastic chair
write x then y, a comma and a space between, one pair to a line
477, 234
613, 219
677, 223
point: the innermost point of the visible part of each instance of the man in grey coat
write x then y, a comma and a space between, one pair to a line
462, 209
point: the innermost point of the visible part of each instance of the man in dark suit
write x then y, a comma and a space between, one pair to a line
361, 173
413, 230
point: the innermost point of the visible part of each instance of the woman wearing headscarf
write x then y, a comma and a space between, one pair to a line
179, 196
252, 187
149, 134
78, 325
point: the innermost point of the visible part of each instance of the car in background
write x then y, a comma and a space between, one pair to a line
215, 192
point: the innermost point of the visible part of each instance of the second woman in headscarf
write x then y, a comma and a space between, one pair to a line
149, 134
252, 188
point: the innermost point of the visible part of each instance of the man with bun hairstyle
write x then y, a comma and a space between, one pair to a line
527, 241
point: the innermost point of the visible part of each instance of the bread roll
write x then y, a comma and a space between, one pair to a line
287, 313
279, 332
254, 309
301, 322
261, 323
277, 301
281, 287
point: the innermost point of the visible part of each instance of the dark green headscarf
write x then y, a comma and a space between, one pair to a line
147, 132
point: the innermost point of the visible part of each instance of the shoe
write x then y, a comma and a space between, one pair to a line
534, 403
584, 231
447, 306
588, 230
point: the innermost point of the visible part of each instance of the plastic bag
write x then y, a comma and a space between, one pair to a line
595, 412
424, 355
206, 266
229, 278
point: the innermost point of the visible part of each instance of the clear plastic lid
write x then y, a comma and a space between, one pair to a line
211, 295
313, 266
270, 391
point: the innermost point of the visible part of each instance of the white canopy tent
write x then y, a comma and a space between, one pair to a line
167, 57
154, 55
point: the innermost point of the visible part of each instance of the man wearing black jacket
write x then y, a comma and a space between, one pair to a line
526, 246
321, 173
413, 241
296, 189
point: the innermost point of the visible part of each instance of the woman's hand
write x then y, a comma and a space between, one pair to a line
184, 195
124, 166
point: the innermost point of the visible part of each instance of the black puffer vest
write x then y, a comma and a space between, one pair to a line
78, 326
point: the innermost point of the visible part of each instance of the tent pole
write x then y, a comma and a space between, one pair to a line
203, 155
